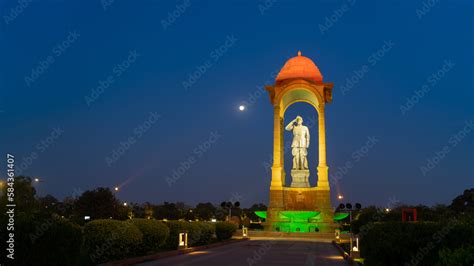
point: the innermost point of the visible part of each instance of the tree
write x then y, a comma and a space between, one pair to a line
66, 207
99, 203
205, 211
250, 212
49, 204
148, 209
24, 196
137, 210
464, 202
166, 211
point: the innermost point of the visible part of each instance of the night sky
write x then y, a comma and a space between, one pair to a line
145, 95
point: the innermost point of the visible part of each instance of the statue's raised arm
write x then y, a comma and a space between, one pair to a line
290, 125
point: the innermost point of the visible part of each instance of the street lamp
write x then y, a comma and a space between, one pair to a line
348, 206
340, 197
36, 180
125, 204
228, 205
116, 189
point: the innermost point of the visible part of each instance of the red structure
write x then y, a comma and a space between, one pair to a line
408, 214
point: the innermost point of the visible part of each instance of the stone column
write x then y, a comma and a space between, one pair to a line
275, 204
277, 168
322, 167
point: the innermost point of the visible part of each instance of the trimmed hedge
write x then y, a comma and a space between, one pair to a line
459, 256
106, 240
199, 233
225, 230
398, 243
154, 233
43, 240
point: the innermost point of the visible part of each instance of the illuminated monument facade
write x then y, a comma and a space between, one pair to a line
299, 207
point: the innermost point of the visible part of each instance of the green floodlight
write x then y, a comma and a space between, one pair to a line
300, 214
261, 214
340, 216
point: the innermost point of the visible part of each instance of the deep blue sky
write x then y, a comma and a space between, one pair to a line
264, 38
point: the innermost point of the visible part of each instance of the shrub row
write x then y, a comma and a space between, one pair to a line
108, 240
420, 243
199, 233
43, 240
224, 230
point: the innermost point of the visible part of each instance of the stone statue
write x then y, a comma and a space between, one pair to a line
300, 144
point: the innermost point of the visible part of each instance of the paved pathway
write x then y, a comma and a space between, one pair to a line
261, 251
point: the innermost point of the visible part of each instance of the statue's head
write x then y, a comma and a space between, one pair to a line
299, 120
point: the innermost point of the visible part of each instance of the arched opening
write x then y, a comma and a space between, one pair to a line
298, 95
310, 120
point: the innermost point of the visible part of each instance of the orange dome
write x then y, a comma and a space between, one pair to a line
300, 67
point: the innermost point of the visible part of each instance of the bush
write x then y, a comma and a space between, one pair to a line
225, 230
398, 243
154, 233
107, 240
199, 233
460, 256
44, 240
175, 227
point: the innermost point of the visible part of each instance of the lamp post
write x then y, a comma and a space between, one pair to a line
354, 251
229, 205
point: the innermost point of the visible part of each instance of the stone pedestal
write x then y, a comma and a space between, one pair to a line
299, 178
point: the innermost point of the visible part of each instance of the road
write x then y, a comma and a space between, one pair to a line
261, 251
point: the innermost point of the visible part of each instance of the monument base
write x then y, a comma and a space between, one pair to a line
299, 178
305, 209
